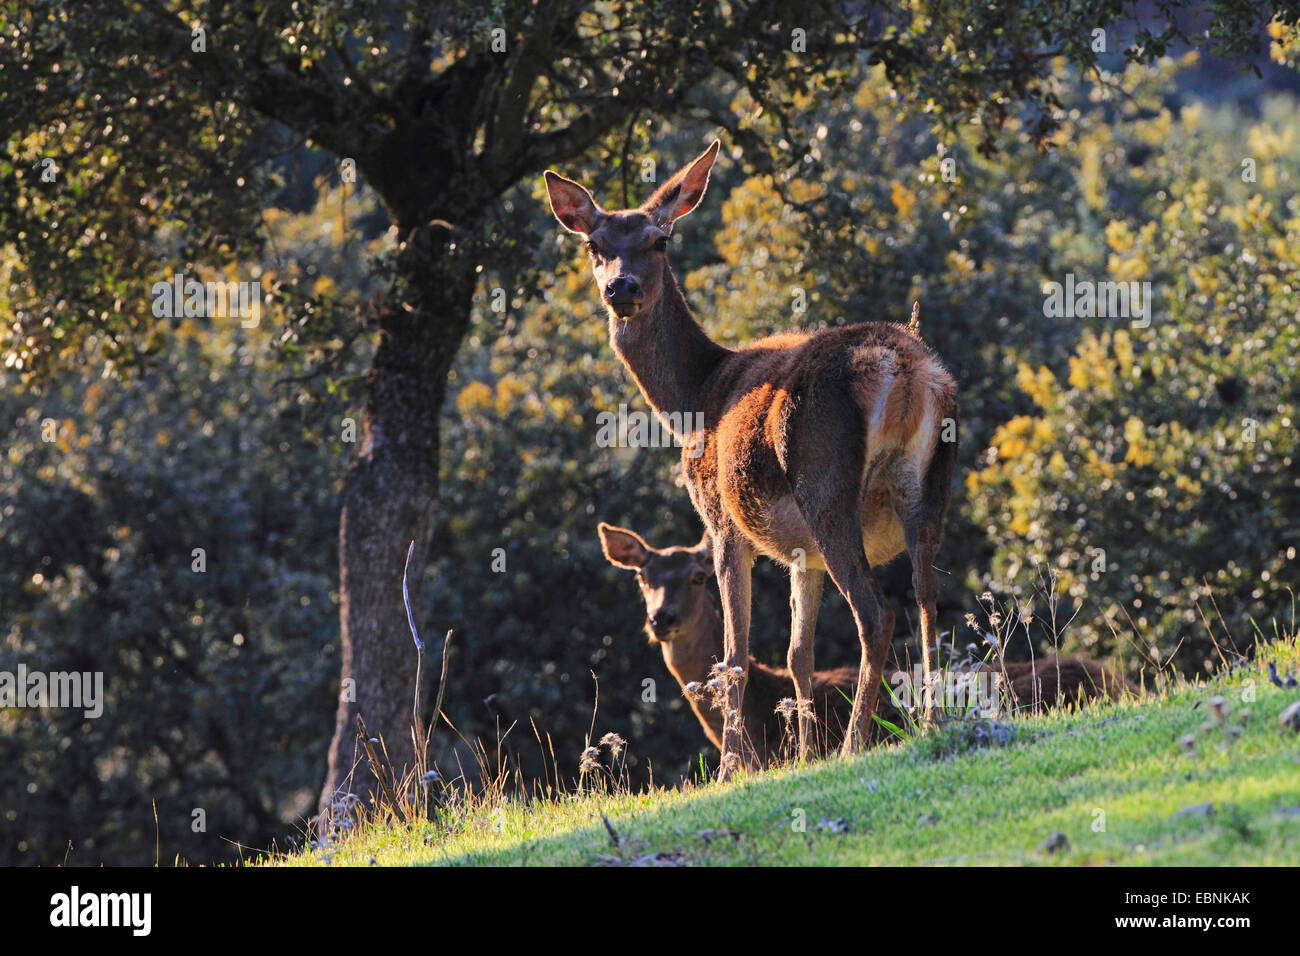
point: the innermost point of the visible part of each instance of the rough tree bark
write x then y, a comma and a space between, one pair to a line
389, 497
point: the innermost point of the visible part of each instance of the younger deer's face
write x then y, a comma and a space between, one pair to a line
627, 248
673, 580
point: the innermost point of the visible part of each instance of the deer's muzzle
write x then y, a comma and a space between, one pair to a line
624, 295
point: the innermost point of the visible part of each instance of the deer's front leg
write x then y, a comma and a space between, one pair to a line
805, 599
734, 561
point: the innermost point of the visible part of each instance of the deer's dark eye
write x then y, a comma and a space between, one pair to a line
594, 249
661, 244
698, 578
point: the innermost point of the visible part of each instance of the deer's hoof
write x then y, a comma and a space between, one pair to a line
730, 767
852, 746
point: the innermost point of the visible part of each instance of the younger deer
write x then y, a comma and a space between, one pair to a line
683, 621
827, 451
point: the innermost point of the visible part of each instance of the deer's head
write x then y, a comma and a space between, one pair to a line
674, 581
628, 247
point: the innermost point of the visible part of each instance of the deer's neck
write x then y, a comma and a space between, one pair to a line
691, 655
667, 352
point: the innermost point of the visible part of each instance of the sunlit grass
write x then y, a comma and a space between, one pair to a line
1109, 777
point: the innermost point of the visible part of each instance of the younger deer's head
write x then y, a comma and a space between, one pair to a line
674, 581
628, 247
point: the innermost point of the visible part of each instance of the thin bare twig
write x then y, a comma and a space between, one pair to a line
379, 770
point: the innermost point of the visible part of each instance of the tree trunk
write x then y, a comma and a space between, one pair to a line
389, 497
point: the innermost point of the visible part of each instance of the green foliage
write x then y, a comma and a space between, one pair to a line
217, 682
1159, 469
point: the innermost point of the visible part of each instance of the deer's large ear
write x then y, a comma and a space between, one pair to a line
572, 204
623, 548
684, 191
704, 552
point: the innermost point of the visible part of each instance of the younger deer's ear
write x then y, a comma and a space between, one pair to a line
572, 204
684, 191
704, 552
622, 547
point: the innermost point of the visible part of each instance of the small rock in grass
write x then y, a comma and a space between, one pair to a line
662, 858
838, 825
1188, 743
1201, 811
1055, 843
1289, 719
926, 820
670, 858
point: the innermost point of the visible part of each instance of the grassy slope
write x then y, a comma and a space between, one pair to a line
905, 805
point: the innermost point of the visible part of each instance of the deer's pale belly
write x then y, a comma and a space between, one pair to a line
779, 531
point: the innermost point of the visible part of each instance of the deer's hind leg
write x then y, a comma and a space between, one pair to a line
922, 536
921, 508
830, 506
805, 599
840, 543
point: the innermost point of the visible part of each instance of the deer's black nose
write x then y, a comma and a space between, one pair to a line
623, 289
662, 621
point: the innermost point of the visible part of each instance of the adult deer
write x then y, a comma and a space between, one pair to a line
682, 621
821, 450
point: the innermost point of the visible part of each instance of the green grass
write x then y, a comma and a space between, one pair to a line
1108, 777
